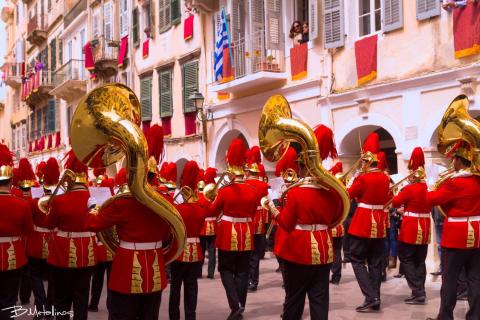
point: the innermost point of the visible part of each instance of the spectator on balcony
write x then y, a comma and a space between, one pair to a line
449, 5
38, 65
296, 33
305, 37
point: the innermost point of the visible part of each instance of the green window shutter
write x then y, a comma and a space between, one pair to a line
50, 125
175, 8
39, 123
60, 52
53, 55
165, 93
146, 98
190, 84
135, 35
164, 15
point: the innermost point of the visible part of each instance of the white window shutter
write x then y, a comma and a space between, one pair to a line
96, 22
392, 14
273, 22
123, 18
427, 9
107, 11
313, 19
333, 24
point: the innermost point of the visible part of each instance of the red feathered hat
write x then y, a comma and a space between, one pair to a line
200, 179
254, 159
155, 146
337, 168
51, 174
210, 175
39, 171
99, 172
417, 159
80, 169
108, 183
26, 176
236, 156
162, 172
326, 144
288, 161
6, 162
189, 175
261, 171
382, 161
371, 147
171, 175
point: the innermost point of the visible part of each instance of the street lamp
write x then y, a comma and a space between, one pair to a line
202, 114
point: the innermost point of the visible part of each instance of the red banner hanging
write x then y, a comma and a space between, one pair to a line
299, 61
366, 59
466, 30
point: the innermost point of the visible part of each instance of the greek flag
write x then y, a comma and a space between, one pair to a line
220, 44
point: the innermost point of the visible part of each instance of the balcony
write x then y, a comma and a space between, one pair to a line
73, 10
20, 114
41, 83
70, 81
55, 14
205, 5
37, 30
105, 55
13, 74
255, 63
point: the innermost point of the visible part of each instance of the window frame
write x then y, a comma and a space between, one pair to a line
160, 73
372, 19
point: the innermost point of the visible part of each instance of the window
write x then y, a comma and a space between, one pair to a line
107, 20
53, 55
13, 139
135, 28
123, 18
146, 98
39, 123
189, 84
370, 20
24, 136
165, 93
96, 25
169, 14
50, 117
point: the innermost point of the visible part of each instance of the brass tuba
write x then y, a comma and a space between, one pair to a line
65, 183
277, 130
105, 128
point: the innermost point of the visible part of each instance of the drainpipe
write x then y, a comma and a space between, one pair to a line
205, 87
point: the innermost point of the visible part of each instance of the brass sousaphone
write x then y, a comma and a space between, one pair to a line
106, 128
277, 130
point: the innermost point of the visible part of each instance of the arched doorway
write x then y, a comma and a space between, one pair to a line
349, 148
223, 147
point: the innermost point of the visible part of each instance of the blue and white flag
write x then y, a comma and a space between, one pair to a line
220, 44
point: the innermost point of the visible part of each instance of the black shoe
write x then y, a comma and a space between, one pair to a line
384, 277
210, 276
416, 300
436, 274
252, 287
335, 281
463, 296
236, 314
346, 260
277, 270
93, 308
369, 306
398, 275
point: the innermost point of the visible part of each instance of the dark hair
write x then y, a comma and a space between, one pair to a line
150, 176
464, 161
292, 28
374, 164
5, 182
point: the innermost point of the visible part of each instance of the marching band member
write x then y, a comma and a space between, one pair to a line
458, 197
337, 235
185, 269
37, 242
72, 248
369, 224
207, 234
254, 161
414, 233
238, 201
15, 223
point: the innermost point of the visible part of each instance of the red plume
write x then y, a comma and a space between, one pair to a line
201, 175
155, 142
326, 144
237, 153
171, 172
189, 175
6, 156
25, 170
72, 163
15, 177
288, 161
372, 143
210, 175
254, 155
417, 159
52, 172
121, 177
337, 168
99, 172
382, 161
40, 171
261, 169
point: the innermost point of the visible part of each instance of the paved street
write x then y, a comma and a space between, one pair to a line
266, 303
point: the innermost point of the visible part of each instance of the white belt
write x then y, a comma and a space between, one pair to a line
67, 234
193, 240
370, 206
259, 208
463, 219
211, 219
311, 227
140, 245
41, 229
416, 215
8, 239
236, 220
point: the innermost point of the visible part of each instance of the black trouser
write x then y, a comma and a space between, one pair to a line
301, 280
346, 238
454, 260
208, 244
97, 283
9, 285
71, 286
370, 251
134, 306
185, 272
337, 259
412, 261
233, 267
25, 291
259, 243
39, 270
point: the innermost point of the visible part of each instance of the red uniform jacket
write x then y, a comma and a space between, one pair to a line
67, 214
37, 242
102, 253
237, 200
210, 222
414, 198
262, 189
15, 221
371, 188
134, 271
306, 205
193, 215
459, 197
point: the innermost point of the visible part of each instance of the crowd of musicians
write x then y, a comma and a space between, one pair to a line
61, 245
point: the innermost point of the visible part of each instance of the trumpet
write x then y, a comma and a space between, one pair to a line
343, 177
269, 206
66, 184
187, 194
211, 190
417, 174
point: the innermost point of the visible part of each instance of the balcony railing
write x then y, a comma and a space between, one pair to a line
72, 10
69, 80
105, 55
37, 29
13, 74
38, 86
